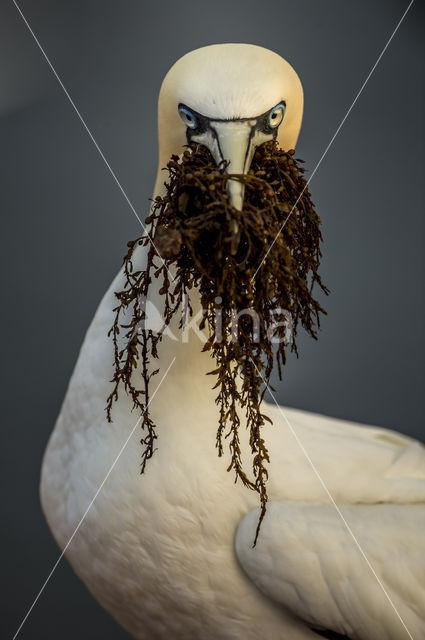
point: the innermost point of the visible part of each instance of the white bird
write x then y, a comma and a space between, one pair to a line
169, 553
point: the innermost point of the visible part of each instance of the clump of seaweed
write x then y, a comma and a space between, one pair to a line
218, 249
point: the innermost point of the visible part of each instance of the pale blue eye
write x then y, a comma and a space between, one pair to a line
276, 115
188, 117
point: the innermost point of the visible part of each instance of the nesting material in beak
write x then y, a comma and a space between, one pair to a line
232, 144
218, 247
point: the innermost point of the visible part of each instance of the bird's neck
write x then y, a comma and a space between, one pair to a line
180, 344
182, 339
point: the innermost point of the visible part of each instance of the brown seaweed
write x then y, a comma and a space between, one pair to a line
262, 260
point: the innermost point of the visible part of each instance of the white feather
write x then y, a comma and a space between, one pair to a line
157, 550
306, 559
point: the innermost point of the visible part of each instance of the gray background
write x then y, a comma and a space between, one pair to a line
65, 224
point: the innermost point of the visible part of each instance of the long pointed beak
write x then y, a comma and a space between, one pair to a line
235, 145
233, 142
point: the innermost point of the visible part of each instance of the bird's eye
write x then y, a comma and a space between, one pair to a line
188, 117
276, 115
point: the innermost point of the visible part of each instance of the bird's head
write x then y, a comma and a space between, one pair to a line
230, 98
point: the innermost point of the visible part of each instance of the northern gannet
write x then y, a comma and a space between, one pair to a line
169, 554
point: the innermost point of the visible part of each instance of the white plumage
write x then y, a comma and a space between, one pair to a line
169, 553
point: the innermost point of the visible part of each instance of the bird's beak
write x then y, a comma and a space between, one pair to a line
234, 142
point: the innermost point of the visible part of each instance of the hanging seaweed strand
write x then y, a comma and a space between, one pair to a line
217, 249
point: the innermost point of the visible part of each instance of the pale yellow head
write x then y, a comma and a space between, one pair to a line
230, 98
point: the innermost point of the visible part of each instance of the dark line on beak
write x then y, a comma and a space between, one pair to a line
251, 135
214, 132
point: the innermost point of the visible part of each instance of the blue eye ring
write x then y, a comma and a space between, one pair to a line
188, 117
275, 116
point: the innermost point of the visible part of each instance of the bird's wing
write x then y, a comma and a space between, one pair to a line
357, 463
307, 560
